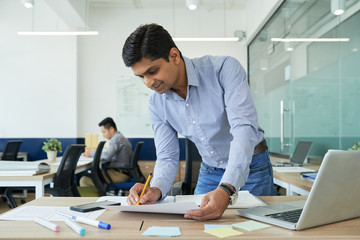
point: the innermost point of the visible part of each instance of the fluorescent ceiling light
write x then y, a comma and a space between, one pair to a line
27, 3
58, 33
223, 39
310, 39
192, 4
338, 7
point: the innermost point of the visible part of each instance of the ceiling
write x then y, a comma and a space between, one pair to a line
148, 4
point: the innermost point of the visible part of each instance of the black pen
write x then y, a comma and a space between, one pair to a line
141, 225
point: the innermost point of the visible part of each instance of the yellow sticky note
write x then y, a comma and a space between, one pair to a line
223, 232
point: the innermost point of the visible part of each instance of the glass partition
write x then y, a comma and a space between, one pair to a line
305, 89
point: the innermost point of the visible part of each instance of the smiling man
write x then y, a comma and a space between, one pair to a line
207, 100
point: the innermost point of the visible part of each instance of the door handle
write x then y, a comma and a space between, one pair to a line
282, 110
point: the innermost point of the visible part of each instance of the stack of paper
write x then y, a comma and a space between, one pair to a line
20, 168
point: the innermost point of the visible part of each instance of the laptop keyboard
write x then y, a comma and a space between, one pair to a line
288, 216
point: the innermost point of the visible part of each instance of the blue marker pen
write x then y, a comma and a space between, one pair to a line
88, 221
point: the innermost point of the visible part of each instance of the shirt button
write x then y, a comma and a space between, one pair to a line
194, 122
202, 139
221, 161
212, 152
187, 104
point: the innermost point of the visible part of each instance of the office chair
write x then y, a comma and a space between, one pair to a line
101, 186
64, 184
10, 154
192, 167
134, 171
11, 150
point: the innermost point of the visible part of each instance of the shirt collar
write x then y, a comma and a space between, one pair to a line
191, 77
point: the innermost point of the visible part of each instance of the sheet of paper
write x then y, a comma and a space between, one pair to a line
223, 232
18, 173
19, 165
292, 169
170, 208
83, 158
251, 225
122, 199
245, 200
28, 213
82, 161
162, 232
214, 226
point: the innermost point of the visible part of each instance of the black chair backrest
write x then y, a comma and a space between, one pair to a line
11, 150
96, 174
64, 177
193, 162
135, 169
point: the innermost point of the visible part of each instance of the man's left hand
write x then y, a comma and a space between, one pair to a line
212, 206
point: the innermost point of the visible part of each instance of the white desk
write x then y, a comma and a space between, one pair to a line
292, 181
39, 181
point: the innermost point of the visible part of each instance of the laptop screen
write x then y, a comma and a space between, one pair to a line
301, 151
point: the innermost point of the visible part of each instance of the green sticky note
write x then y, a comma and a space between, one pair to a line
223, 232
251, 225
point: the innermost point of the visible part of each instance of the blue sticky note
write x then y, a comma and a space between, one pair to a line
162, 232
214, 226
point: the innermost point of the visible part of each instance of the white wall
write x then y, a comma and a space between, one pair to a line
37, 76
100, 58
63, 86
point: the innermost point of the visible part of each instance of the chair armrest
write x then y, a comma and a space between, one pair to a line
177, 189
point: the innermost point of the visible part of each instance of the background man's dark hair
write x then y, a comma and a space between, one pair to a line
151, 41
107, 123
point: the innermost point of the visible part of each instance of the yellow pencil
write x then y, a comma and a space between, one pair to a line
142, 193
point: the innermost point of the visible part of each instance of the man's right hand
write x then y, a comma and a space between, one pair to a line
87, 153
150, 196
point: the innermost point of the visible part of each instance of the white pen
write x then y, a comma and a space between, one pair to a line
74, 226
47, 224
87, 221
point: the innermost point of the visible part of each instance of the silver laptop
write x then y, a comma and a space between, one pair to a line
334, 197
298, 158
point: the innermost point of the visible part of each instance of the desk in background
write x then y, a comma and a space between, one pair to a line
292, 181
126, 225
39, 181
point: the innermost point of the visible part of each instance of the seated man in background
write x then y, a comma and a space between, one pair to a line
118, 154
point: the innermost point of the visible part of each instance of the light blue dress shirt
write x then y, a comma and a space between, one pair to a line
218, 115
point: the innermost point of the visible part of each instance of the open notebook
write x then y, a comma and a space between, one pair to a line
20, 168
180, 203
245, 200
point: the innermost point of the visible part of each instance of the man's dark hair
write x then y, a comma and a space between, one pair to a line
107, 123
150, 41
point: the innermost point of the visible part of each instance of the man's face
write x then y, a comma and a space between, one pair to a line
106, 132
158, 75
